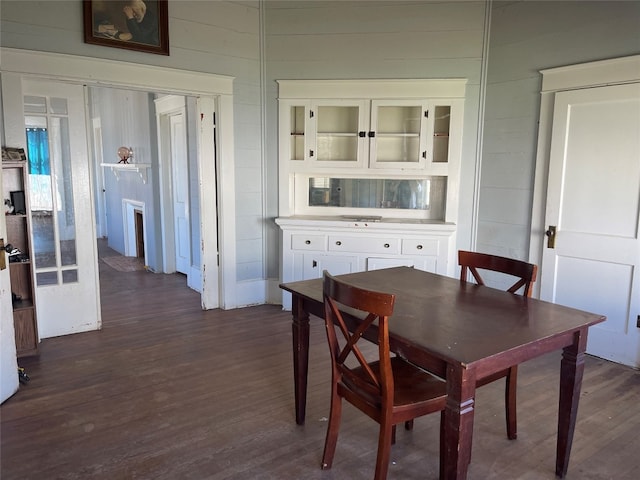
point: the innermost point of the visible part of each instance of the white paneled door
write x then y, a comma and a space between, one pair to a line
65, 252
593, 203
180, 169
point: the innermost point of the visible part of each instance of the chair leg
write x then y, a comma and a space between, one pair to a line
510, 402
442, 444
384, 449
393, 435
332, 431
408, 425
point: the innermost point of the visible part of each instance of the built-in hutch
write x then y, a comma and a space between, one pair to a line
368, 175
19, 256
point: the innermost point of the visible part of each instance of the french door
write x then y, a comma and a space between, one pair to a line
63, 227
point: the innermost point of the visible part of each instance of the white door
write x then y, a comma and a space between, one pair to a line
99, 187
315, 264
180, 171
593, 201
65, 252
8, 362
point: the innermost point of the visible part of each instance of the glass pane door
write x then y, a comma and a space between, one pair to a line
297, 129
61, 207
51, 190
398, 138
441, 126
338, 133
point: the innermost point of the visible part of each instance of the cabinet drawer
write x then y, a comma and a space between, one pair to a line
308, 242
420, 246
364, 245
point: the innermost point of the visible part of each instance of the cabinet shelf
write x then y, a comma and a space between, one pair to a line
398, 135
25, 323
140, 168
26, 262
336, 134
22, 305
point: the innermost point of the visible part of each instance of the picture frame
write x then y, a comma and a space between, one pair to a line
13, 154
106, 23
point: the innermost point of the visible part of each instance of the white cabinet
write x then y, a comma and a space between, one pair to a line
311, 245
405, 134
368, 175
380, 136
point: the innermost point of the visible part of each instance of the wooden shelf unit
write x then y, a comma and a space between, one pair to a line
14, 178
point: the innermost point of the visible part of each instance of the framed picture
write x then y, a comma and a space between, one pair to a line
13, 154
141, 25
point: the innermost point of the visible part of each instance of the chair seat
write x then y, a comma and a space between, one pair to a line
412, 385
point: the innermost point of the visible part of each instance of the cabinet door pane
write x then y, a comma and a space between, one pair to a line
297, 132
397, 138
337, 133
441, 124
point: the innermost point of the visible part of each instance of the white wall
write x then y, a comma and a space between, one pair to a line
128, 119
525, 38
219, 37
378, 39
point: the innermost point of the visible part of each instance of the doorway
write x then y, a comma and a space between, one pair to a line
179, 229
213, 93
134, 228
139, 223
590, 119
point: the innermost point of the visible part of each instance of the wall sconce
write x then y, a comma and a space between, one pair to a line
125, 153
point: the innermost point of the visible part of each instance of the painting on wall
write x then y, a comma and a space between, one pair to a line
141, 25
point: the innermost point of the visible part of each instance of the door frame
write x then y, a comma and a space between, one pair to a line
217, 200
165, 106
614, 71
98, 175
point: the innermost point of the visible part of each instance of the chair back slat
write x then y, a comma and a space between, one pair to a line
471, 262
369, 309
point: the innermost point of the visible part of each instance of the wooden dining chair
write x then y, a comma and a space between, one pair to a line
385, 387
471, 262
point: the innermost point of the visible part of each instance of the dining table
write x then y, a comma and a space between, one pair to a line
461, 332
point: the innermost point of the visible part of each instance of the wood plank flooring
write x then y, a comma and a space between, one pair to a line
168, 391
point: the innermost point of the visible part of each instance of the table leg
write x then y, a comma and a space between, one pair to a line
458, 426
571, 370
300, 331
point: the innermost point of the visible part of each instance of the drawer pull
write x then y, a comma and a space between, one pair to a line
308, 242
338, 243
419, 247
386, 245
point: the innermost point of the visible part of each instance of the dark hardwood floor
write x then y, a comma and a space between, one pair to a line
168, 391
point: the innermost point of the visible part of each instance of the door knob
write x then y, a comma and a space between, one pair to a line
551, 236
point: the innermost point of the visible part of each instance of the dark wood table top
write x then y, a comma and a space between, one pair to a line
456, 322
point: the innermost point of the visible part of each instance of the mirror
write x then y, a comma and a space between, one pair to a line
413, 194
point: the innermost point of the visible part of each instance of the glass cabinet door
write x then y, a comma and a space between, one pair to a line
297, 129
441, 126
340, 136
397, 138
